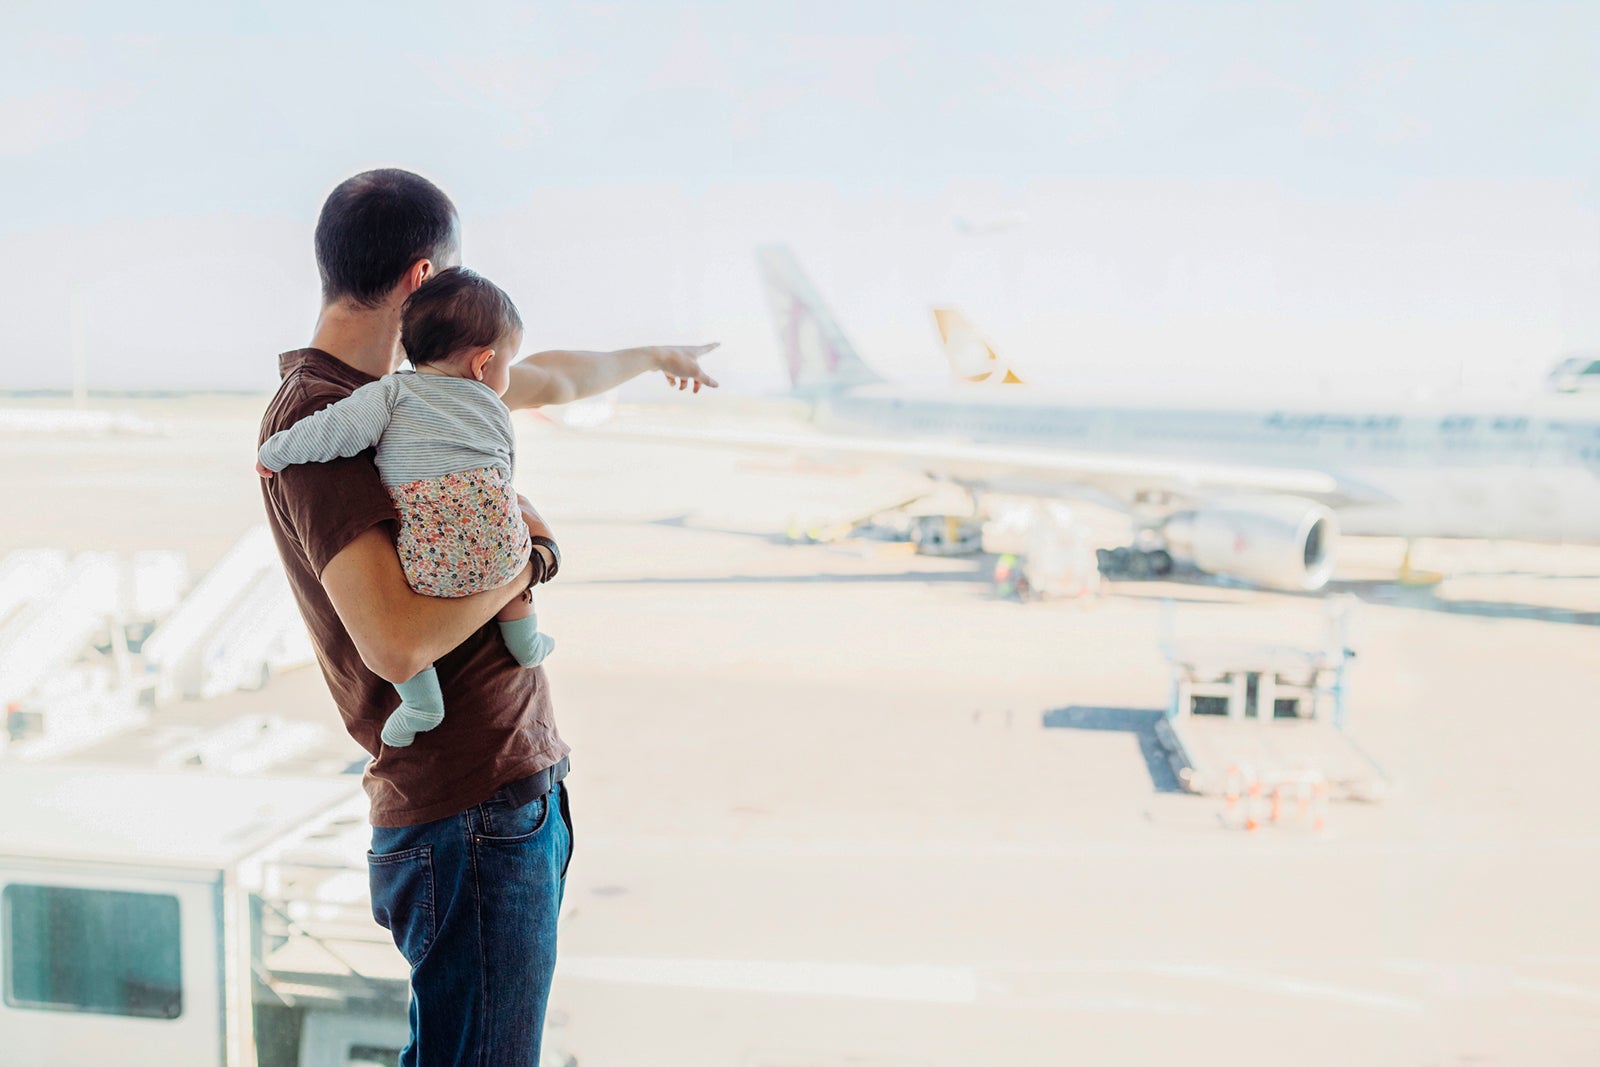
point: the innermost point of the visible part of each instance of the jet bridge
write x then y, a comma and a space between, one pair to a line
236, 627
57, 612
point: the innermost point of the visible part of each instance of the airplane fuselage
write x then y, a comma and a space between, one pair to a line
1530, 472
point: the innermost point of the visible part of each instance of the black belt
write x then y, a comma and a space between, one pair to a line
527, 790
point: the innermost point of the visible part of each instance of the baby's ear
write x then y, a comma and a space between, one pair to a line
480, 360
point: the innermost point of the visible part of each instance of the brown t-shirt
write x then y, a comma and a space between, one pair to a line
498, 723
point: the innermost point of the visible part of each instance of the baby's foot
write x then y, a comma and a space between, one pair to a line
421, 708
527, 643
406, 723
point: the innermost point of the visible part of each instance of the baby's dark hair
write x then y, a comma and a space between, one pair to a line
453, 310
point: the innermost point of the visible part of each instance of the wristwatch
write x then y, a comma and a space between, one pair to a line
540, 573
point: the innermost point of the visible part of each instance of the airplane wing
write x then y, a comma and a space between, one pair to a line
1026, 470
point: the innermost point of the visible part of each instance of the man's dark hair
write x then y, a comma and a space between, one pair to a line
374, 226
454, 310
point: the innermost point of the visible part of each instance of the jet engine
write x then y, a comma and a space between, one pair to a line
1277, 541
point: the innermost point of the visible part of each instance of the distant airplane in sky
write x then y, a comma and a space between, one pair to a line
1575, 374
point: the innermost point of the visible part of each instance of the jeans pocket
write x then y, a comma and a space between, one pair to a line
402, 898
566, 817
506, 825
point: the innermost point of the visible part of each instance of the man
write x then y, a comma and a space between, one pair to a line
472, 829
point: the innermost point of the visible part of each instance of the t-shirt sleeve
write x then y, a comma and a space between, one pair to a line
329, 504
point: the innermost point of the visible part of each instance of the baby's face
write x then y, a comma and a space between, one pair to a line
497, 374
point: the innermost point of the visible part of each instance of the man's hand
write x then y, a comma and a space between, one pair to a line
544, 558
681, 365
538, 528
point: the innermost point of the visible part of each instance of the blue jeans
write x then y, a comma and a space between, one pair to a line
472, 901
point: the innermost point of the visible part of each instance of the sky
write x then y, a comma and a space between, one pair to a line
1307, 196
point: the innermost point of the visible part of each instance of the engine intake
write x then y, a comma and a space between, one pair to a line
1277, 541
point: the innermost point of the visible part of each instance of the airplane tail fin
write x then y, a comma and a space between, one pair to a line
972, 359
818, 355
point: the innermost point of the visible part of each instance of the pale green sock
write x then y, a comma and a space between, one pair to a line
526, 643
421, 708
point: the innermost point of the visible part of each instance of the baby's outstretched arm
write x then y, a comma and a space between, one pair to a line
343, 428
562, 376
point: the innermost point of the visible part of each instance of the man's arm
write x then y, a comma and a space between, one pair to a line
560, 377
399, 631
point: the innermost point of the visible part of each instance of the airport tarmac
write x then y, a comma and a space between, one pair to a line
840, 806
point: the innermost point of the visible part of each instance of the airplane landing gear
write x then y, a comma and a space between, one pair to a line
945, 535
1136, 563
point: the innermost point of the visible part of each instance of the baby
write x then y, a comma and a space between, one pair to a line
445, 453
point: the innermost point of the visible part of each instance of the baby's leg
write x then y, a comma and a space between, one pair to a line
421, 708
519, 628
519, 608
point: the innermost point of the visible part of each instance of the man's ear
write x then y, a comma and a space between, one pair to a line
478, 361
416, 274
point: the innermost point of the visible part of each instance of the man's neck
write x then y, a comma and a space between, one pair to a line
367, 339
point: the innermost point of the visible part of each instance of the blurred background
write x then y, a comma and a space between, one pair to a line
1316, 190
1223, 691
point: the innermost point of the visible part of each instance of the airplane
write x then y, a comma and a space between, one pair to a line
1575, 374
1258, 493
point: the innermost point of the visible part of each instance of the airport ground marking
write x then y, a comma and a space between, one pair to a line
913, 983
962, 984
1294, 987
1566, 990
922, 984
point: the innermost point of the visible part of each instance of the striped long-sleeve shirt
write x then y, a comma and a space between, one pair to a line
425, 426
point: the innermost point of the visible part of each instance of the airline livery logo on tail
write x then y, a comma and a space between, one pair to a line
972, 359
817, 353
